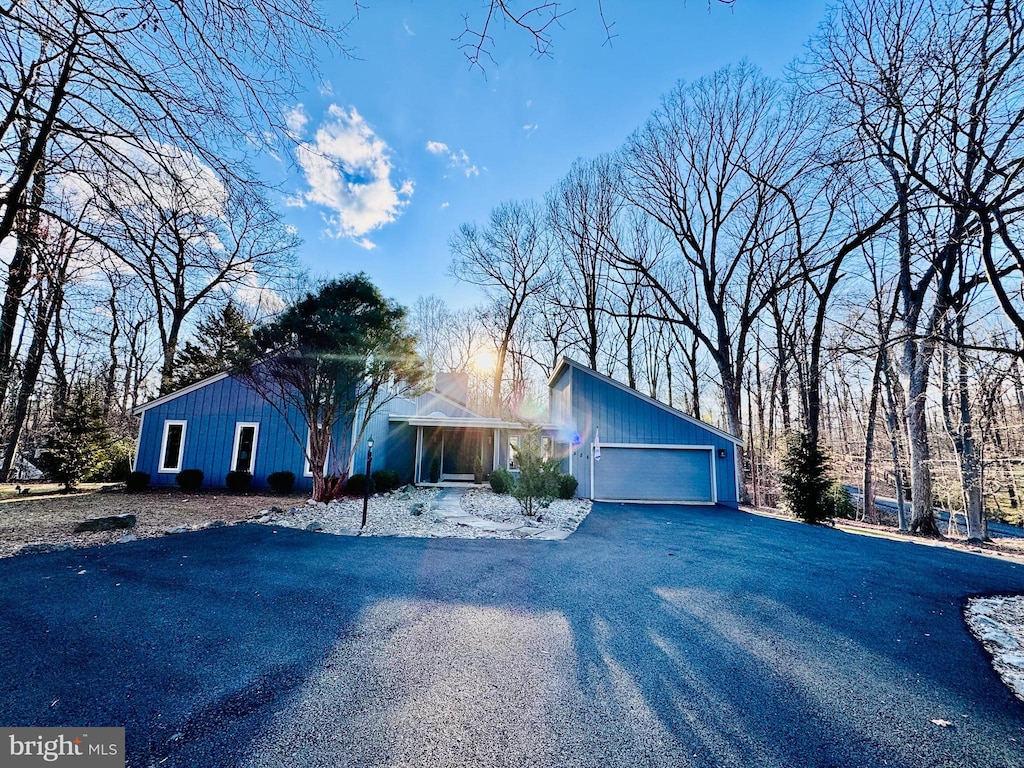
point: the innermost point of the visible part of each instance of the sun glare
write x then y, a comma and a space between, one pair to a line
483, 360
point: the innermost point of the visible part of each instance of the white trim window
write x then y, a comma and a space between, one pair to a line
172, 446
243, 453
307, 468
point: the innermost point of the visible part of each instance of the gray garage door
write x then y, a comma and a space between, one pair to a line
654, 474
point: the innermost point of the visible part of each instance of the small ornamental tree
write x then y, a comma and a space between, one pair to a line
337, 354
804, 480
537, 486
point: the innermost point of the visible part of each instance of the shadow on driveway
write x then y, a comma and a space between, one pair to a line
652, 636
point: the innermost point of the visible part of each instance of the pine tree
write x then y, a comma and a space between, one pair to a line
804, 480
80, 439
218, 338
537, 486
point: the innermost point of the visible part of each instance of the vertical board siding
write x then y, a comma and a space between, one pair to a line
211, 414
622, 417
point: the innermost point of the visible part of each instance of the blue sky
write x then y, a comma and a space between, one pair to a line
426, 144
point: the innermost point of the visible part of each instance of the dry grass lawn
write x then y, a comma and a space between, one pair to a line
48, 514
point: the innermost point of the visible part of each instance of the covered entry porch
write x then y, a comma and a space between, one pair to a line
459, 450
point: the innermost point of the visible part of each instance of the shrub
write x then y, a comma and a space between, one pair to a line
136, 481
839, 503
190, 479
502, 481
567, 485
538, 477
386, 480
113, 463
804, 481
357, 485
281, 482
478, 470
238, 482
435, 470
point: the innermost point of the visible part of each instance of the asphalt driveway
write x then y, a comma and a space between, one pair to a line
652, 636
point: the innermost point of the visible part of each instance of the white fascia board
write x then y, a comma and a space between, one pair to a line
181, 392
565, 361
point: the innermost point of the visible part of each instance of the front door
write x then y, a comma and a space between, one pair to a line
461, 452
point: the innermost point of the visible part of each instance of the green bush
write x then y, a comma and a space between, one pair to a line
386, 480
113, 463
567, 485
839, 503
136, 481
190, 479
502, 481
281, 482
537, 485
238, 482
435, 470
478, 470
356, 485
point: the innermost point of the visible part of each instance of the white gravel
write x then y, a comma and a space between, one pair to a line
427, 512
998, 622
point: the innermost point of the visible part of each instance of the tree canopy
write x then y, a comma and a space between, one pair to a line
338, 354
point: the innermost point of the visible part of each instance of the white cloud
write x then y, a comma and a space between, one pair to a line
445, 204
348, 169
408, 29
295, 119
457, 159
530, 128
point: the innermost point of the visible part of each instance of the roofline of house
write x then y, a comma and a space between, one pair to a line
456, 403
183, 391
566, 362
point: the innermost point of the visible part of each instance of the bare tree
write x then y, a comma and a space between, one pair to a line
189, 240
582, 209
508, 259
707, 167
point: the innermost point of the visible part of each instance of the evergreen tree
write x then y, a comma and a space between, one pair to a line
218, 339
537, 486
340, 354
804, 480
80, 440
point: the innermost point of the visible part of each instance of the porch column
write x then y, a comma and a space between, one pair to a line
419, 456
497, 452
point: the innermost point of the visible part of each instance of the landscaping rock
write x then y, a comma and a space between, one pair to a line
417, 509
41, 547
215, 524
127, 539
109, 523
314, 526
177, 529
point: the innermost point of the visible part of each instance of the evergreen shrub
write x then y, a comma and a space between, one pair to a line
502, 481
238, 482
190, 479
281, 482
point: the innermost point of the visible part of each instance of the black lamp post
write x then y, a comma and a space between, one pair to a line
366, 485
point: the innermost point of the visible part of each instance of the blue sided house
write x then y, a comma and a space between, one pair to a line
619, 444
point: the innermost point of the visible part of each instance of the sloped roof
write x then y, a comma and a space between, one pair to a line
566, 363
179, 393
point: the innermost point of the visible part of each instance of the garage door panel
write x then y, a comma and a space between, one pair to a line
654, 474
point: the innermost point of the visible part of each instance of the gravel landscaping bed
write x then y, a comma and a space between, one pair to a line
998, 622
430, 512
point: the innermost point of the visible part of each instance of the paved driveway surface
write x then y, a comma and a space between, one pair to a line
652, 636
